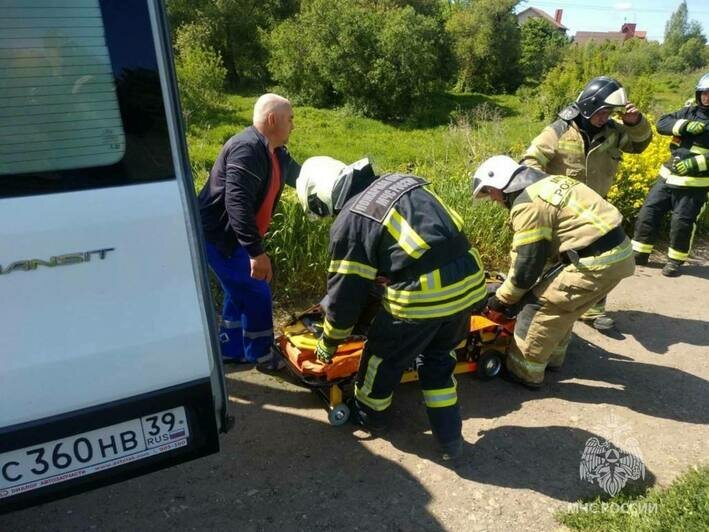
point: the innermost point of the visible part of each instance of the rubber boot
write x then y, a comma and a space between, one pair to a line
672, 268
641, 258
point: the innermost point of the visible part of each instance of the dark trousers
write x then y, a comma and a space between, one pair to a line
686, 205
393, 346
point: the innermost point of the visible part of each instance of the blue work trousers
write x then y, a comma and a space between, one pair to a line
246, 332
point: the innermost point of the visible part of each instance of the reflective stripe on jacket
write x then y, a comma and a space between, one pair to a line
559, 150
684, 145
416, 243
554, 215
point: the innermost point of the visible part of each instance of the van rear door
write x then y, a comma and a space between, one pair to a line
109, 366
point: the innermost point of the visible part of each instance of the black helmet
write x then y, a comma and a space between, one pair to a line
702, 86
600, 93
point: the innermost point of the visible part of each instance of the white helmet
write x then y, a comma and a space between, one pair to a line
324, 184
495, 172
315, 184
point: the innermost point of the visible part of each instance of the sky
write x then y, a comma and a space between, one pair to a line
609, 15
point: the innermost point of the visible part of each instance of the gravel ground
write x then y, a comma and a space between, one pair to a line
644, 387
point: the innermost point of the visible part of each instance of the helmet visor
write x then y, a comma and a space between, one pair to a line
480, 191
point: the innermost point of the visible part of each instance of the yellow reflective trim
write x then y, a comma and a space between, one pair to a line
350, 267
535, 153
527, 364
698, 150
437, 283
437, 294
363, 394
617, 254
436, 311
676, 129
440, 398
677, 255
375, 404
583, 211
334, 333
694, 225
372, 367
571, 147
641, 247
530, 236
457, 218
701, 163
681, 180
404, 234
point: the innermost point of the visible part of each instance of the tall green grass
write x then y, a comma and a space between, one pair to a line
444, 147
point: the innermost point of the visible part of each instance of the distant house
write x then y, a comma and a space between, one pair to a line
627, 31
533, 12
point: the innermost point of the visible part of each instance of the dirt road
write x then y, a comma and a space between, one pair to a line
284, 468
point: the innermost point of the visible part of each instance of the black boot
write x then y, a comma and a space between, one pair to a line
672, 268
641, 258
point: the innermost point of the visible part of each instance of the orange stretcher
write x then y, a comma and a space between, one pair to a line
481, 353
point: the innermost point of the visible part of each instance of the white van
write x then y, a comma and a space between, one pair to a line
109, 366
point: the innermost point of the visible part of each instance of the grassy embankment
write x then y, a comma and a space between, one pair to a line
444, 146
459, 132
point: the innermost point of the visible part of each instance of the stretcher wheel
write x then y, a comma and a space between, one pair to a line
489, 365
338, 415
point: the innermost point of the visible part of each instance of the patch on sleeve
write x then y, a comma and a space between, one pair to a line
378, 199
554, 190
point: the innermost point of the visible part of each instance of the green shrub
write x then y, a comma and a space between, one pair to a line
200, 72
636, 175
378, 62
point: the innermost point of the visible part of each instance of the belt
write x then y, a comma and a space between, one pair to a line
614, 237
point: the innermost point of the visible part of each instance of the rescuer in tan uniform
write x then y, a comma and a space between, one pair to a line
552, 217
586, 144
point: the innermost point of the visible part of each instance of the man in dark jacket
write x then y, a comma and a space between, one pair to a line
395, 232
236, 205
683, 183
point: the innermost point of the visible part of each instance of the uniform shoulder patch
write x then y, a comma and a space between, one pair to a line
556, 189
560, 127
569, 113
378, 199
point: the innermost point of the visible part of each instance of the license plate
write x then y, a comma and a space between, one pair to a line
82, 454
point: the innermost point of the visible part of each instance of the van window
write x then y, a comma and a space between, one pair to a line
80, 97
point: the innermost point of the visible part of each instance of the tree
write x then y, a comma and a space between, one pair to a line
235, 30
380, 61
486, 42
684, 42
542, 48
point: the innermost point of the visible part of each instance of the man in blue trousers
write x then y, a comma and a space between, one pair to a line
236, 205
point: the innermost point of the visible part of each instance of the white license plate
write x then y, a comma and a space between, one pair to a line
57, 461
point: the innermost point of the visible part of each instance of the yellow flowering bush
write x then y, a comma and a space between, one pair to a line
636, 175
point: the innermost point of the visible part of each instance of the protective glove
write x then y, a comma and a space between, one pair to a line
695, 127
493, 303
324, 352
691, 165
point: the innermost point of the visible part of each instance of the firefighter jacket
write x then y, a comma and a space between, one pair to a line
399, 230
563, 148
684, 145
552, 217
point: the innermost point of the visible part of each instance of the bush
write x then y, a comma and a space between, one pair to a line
200, 71
380, 63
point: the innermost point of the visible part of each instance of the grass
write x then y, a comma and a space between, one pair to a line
444, 145
684, 506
